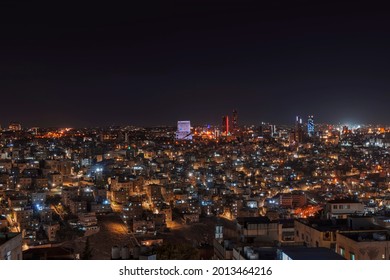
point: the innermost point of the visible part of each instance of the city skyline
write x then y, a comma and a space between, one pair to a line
208, 130
232, 193
155, 64
215, 122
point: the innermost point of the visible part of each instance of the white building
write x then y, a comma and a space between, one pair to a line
341, 209
183, 130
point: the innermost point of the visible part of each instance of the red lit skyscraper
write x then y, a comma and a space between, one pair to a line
225, 125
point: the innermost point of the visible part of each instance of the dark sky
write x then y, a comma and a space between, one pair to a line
152, 64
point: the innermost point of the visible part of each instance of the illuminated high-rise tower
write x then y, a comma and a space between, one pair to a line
298, 130
183, 130
234, 120
225, 125
310, 126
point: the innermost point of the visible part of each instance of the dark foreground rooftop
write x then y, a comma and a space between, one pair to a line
304, 253
4, 237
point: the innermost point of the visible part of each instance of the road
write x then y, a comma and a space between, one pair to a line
113, 232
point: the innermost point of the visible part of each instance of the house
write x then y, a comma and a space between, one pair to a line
364, 245
342, 208
258, 228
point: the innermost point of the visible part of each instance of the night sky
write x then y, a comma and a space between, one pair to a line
87, 65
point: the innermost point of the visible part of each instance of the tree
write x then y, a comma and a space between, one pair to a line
181, 251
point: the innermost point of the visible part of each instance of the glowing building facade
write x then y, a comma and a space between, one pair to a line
225, 125
310, 126
183, 130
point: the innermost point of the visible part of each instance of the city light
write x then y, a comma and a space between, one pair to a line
196, 130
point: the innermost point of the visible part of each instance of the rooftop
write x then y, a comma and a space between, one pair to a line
51, 253
346, 200
304, 253
368, 236
4, 237
325, 225
253, 220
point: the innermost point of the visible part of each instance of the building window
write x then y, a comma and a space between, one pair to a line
352, 256
334, 206
342, 251
297, 233
327, 235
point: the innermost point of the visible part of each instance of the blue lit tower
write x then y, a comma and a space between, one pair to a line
310, 126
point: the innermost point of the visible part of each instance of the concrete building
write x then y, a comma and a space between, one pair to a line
55, 180
258, 229
342, 208
288, 231
10, 246
68, 193
23, 216
51, 231
318, 233
41, 182
183, 130
223, 249
46, 215
38, 198
121, 183
87, 219
77, 206
364, 245
15, 127
167, 211
3, 222
254, 253
292, 200
304, 253
120, 196
25, 182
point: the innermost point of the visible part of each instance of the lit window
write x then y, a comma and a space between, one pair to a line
342, 251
